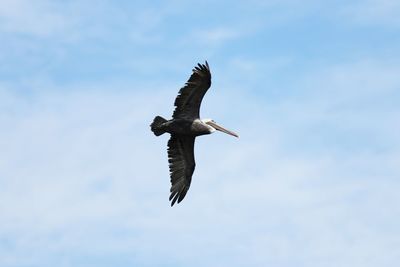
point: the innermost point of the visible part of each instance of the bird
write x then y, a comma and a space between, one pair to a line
183, 128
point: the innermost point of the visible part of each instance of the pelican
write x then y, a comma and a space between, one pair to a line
184, 127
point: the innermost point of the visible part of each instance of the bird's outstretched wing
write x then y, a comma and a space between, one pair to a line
188, 101
181, 165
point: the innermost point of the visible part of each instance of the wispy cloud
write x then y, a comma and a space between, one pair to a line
375, 12
78, 168
39, 18
312, 181
216, 35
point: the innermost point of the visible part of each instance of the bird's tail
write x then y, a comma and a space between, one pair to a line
156, 125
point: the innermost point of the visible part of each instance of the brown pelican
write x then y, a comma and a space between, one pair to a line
184, 127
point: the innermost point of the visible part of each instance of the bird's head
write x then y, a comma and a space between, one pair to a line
215, 126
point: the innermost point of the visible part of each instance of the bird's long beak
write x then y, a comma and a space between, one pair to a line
222, 129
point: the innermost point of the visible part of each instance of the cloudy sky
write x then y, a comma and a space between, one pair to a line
312, 87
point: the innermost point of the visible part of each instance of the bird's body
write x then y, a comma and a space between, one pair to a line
187, 127
184, 127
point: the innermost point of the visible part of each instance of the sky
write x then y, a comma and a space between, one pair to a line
312, 87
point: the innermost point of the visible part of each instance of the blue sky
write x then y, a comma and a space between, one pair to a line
312, 87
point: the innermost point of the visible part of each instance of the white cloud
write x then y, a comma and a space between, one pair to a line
311, 181
216, 35
380, 12
76, 20
81, 174
39, 18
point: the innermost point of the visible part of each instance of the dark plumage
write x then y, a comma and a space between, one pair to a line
188, 101
181, 165
184, 127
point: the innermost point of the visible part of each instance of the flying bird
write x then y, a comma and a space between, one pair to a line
184, 127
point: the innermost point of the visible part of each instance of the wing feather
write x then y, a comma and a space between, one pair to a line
188, 101
181, 166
